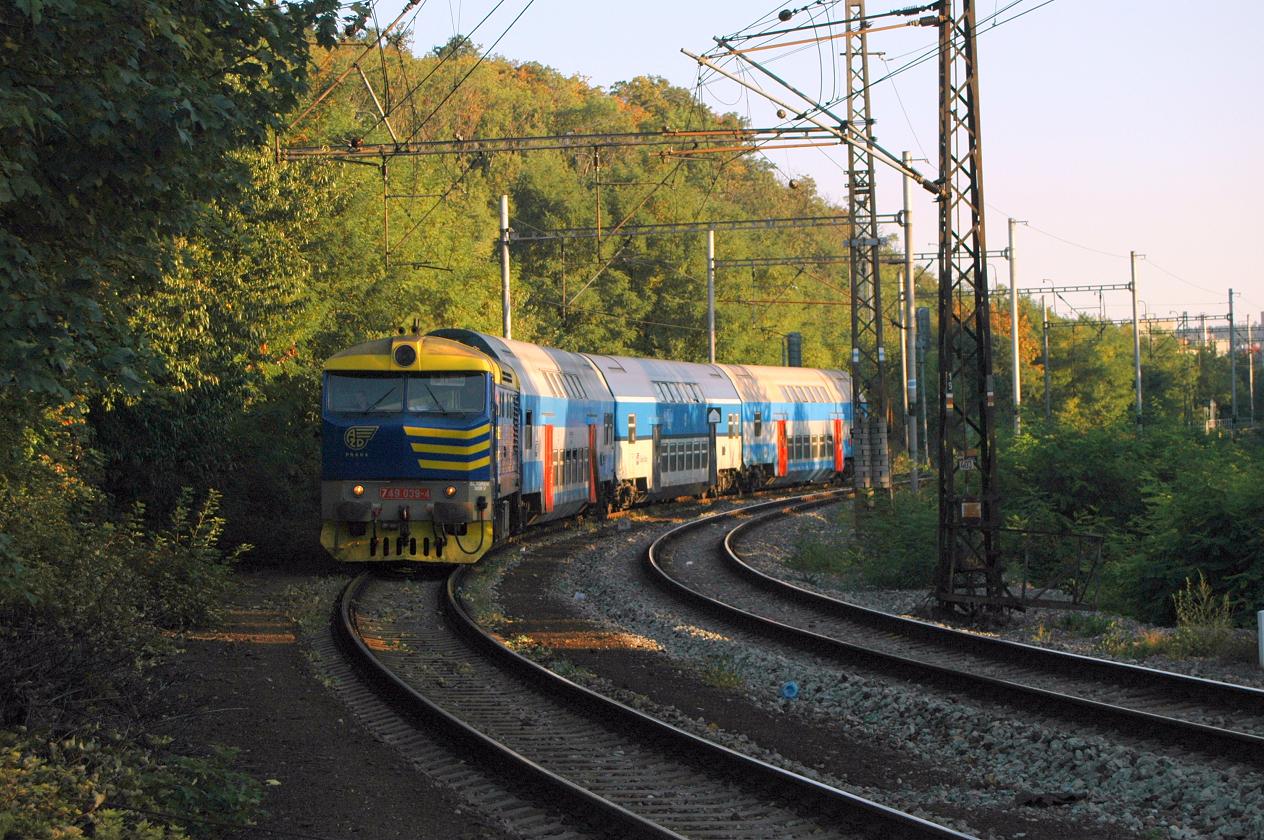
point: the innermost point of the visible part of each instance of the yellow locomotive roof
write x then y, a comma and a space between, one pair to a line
432, 354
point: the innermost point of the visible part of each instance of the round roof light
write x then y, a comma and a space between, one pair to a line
405, 355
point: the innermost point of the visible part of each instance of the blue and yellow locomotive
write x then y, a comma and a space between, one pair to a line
436, 447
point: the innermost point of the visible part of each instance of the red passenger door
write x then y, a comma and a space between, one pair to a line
838, 444
781, 448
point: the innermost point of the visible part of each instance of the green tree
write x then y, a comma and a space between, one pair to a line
116, 119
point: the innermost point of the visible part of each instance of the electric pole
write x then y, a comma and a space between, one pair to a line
1233, 365
970, 576
506, 314
910, 333
1044, 343
711, 296
1133, 256
1016, 377
868, 356
1250, 368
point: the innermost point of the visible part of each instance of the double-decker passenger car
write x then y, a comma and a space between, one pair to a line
436, 447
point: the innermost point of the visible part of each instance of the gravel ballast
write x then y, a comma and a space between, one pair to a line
998, 759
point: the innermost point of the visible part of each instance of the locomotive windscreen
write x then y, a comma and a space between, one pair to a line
432, 393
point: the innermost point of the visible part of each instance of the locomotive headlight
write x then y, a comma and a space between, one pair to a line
405, 355
357, 491
449, 491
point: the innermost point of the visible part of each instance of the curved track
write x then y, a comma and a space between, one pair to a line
613, 765
1211, 717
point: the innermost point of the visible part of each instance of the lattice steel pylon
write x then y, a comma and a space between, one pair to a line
970, 574
868, 356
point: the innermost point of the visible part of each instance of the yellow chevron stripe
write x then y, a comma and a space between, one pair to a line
448, 433
439, 449
456, 466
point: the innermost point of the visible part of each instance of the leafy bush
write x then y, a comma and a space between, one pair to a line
1206, 519
894, 548
1170, 502
83, 598
101, 786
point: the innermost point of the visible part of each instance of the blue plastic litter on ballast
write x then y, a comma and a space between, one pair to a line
790, 690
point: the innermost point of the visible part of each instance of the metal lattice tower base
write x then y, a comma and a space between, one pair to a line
970, 576
868, 357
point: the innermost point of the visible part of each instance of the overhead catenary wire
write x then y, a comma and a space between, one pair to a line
443, 59
481, 58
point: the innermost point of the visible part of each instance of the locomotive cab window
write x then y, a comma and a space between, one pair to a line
433, 393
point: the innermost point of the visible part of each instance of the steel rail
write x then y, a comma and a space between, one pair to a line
887, 821
851, 814
1204, 738
414, 704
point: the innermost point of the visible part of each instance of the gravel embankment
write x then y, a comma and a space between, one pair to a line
1000, 758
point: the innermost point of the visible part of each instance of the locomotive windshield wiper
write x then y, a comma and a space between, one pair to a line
380, 399
433, 398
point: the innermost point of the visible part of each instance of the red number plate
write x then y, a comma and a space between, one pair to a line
410, 493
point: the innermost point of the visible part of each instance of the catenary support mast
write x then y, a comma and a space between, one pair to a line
868, 356
970, 570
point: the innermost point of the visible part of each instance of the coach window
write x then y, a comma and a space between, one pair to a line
528, 441
631, 428
759, 423
608, 428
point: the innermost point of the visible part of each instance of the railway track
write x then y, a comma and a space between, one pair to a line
620, 771
1218, 719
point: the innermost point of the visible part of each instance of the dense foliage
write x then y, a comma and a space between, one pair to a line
1172, 503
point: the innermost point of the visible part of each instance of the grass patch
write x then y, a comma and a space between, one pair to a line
722, 675
813, 555
1084, 624
1120, 641
1204, 623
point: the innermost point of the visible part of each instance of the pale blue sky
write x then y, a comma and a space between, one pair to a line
1115, 125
